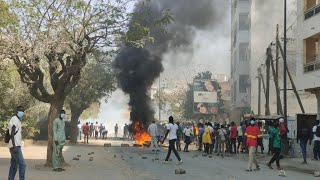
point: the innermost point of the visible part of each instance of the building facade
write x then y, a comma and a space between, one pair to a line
240, 58
308, 48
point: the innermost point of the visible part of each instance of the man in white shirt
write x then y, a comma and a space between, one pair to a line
14, 145
153, 132
187, 139
240, 136
172, 130
316, 141
79, 130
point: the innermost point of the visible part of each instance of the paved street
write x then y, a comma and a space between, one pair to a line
130, 165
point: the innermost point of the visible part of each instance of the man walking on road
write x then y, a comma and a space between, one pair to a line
59, 139
276, 146
172, 130
233, 138
316, 140
17, 160
252, 134
304, 135
153, 132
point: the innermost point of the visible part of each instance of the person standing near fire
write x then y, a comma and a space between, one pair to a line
153, 132
116, 131
172, 130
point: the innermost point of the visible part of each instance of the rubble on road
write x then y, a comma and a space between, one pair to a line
180, 171
107, 145
76, 159
91, 159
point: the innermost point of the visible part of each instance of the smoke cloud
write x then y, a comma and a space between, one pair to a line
138, 67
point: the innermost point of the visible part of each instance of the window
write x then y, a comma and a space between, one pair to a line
244, 23
243, 51
243, 83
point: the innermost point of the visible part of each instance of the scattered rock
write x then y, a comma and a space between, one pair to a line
107, 145
130, 157
91, 159
76, 158
124, 145
92, 152
121, 156
204, 155
210, 156
316, 174
195, 155
180, 171
152, 160
157, 159
144, 157
282, 173
114, 156
78, 155
89, 154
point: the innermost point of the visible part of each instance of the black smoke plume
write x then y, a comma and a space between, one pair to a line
139, 67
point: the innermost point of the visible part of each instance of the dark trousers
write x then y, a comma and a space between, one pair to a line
206, 147
233, 145
303, 146
172, 147
178, 144
86, 137
316, 150
276, 156
211, 147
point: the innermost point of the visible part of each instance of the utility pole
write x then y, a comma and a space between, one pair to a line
276, 75
276, 83
268, 60
159, 99
285, 64
259, 91
291, 80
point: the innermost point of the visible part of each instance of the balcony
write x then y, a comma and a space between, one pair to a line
313, 66
312, 11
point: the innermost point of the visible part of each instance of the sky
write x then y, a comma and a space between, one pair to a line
211, 52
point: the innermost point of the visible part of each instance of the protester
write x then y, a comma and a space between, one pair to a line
153, 132
212, 137
252, 133
116, 131
125, 131
15, 139
260, 139
91, 129
283, 133
233, 138
221, 140
79, 130
86, 131
240, 137
101, 128
104, 133
96, 130
276, 146
316, 140
228, 141
201, 131
187, 133
216, 138
172, 130
206, 139
59, 139
304, 134
179, 136
270, 140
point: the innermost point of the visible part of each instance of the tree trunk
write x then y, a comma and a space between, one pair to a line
55, 108
75, 114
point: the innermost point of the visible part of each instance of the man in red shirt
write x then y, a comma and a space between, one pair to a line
85, 130
233, 137
252, 134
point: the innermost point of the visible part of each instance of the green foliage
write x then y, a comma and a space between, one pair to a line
7, 18
91, 112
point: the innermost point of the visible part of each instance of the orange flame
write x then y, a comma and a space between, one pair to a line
140, 134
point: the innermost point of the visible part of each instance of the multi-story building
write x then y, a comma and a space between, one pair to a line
308, 48
240, 58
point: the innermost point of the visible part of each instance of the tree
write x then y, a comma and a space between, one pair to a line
188, 103
53, 40
97, 82
7, 18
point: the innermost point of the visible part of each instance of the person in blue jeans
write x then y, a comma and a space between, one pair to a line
304, 135
316, 140
14, 145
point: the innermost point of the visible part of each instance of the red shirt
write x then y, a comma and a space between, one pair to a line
233, 132
86, 129
252, 134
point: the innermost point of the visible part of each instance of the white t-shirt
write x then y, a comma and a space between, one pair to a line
79, 127
315, 138
239, 129
173, 131
15, 121
187, 131
153, 130
211, 129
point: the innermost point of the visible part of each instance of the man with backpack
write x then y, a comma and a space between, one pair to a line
316, 140
13, 138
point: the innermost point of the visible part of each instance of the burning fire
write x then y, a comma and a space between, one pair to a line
140, 134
